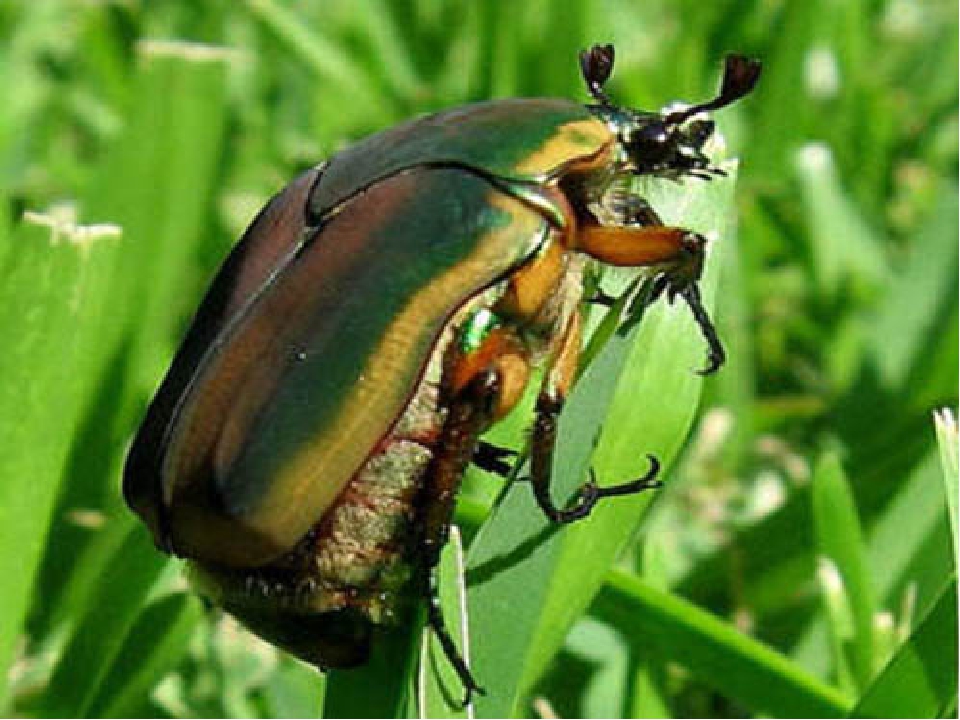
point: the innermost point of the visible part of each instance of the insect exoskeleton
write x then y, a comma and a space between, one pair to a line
305, 448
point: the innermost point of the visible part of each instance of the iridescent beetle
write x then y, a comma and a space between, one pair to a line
306, 446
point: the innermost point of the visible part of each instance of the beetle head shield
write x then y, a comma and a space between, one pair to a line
670, 143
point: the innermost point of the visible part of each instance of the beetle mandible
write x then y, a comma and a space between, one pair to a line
305, 448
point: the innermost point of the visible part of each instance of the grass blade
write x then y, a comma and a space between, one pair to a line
155, 644
946, 424
440, 691
921, 679
49, 299
840, 542
542, 577
96, 642
719, 655
660, 371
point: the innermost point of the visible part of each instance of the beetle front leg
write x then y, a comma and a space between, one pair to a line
559, 378
678, 251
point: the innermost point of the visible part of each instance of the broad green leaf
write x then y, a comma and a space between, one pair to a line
654, 406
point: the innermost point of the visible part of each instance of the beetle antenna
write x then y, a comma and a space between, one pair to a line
596, 66
740, 75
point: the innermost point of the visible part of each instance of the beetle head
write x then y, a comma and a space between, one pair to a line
670, 143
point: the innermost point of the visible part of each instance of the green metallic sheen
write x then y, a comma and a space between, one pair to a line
285, 374
476, 329
497, 139
224, 468
272, 239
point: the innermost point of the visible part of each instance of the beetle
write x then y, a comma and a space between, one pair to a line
305, 448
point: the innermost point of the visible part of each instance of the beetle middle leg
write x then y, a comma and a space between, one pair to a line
553, 393
678, 251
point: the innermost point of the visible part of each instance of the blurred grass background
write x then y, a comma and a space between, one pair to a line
800, 560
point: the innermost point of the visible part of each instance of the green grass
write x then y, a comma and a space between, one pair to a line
801, 560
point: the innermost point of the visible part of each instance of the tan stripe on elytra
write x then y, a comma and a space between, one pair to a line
313, 479
578, 138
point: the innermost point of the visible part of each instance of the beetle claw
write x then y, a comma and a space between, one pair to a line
468, 692
494, 459
716, 355
600, 297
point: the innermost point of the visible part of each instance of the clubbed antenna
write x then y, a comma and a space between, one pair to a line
740, 75
596, 65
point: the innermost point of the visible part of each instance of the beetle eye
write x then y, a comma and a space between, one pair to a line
649, 136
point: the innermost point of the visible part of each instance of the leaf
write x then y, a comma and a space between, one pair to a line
156, 643
717, 654
914, 310
118, 598
921, 679
439, 689
946, 424
542, 577
831, 215
49, 302
652, 410
847, 586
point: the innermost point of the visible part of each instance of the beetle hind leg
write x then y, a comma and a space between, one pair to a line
450, 650
470, 412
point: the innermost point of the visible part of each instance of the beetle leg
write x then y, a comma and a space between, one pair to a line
470, 413
493, 458
680, 254
550, 402
629, 209
484, 383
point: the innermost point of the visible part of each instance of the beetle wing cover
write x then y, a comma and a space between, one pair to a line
519, 139
272, 237
295, 394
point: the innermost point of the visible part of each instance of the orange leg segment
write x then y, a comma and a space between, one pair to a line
678, 252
